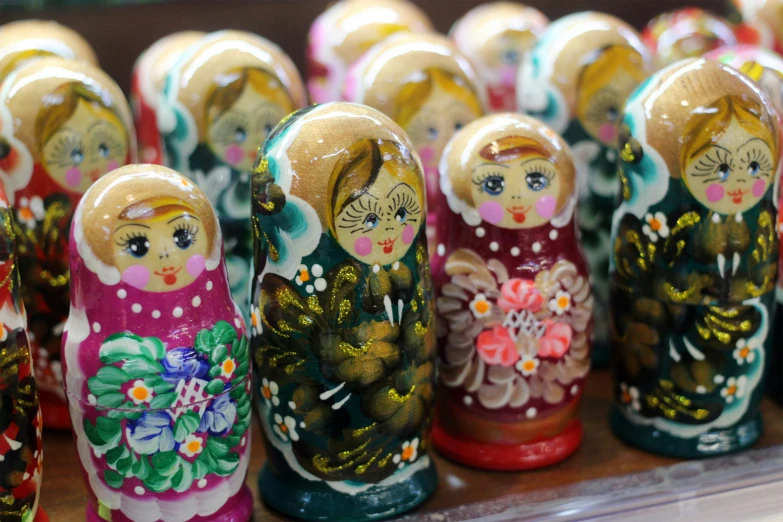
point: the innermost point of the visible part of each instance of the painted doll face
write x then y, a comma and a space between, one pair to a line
505, 52
380, 225
601, 111
521, 193
733, 173
160, 254
92, 142
236, 134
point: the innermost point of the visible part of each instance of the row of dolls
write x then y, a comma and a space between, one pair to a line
342, 322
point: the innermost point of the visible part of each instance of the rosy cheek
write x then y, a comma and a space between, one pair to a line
73, 176
137, 276
607, 132
545, 206
759, 187
407, 235
112, 165
715, 192
195, 265
363, 246
234, 154
427, 154
491, 212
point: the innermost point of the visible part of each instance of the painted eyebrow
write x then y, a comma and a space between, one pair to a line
536, 159
132, 225
182, 216
696, 153
99, 122
491, 165
398, 185
751, 139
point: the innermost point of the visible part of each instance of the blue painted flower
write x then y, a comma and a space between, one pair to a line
219, 416
185, 363
151, 433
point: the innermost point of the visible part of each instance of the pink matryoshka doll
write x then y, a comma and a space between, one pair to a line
686, 33
429, 88
513, 298
70, 124
21, 451
494, 36
27, 39
156, 354
147, 81
342, 33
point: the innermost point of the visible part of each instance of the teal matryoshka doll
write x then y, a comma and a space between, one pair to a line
221, 100
343, 327
575, 80
694, 261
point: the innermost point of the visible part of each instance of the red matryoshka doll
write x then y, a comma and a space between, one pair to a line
147, 81
428, 88
156, 354
27, 39
513, 298
342, 33
758, 22
21, 451
70, 124
686, 33
494, 36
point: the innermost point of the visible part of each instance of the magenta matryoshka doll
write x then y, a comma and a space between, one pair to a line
514, 300
69, 124
147, 82
156, 354
494, 37
21, 451
342, 33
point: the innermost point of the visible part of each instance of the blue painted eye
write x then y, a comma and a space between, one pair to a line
723, 171
754, 168
371, 221
510, 56
77, 156
401, 215
240, 134
494, 185
103, 150
432, 133
536, 181
138, 246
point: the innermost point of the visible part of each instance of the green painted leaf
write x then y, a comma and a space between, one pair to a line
112, 375
237, 392
214, 371
92, 434
141, 469
111, 400
110, 430
183, 479
243, 408
215, 386
185, 425
98, 387
139, 368
115, 454
113, 479
200, 469
239, 350
232, 440
226, 465
204, 342
166, 462
243, 368
163, 401
157, 482
217, 447
124, 464
125, 346
218, 354
224, 333
158, 385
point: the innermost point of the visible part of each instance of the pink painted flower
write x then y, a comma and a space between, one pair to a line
556, 341
497, 347
520, 294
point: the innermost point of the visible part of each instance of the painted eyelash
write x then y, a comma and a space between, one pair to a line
479, 181
605, 98
124, 242
405, 201
61, 155
190, 227
707, 166
759, 157
225, 132
103, 136
546, 172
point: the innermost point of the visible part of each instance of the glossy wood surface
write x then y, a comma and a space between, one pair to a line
601, 455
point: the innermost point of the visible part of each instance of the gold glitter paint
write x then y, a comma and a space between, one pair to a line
395, 396
361, 431
353, 351
314, 305
345, 311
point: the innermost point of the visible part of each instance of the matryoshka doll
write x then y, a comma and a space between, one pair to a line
494, 37
221, 100
70, 124
21, 451
576, 80
156, 354
757, 22
348, 28
27, 39
513, 298
686, 33
343, 318
147, 80
426, 86
695, 261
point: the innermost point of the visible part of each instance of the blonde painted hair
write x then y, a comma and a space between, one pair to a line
357, 170
414, 94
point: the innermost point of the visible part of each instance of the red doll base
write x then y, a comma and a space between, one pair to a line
41, 516
508, 457
54, 412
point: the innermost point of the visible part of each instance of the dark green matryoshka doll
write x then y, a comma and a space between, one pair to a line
343, 322
576, 80
694, 261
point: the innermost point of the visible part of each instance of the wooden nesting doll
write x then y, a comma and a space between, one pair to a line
575, 80
494, 37
686, 33
147, 80
27, 39
21, 451
156, 354
70, 124
343, 320
513, 298
221, 100
695, 261
426, 86
757, 22
348, 28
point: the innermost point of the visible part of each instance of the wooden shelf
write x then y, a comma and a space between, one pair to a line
601, 455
